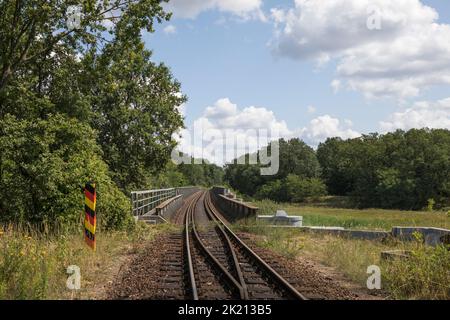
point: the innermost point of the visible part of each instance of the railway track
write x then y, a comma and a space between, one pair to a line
219, 265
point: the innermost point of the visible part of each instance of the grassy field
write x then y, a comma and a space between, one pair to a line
376, 219
425, 275
34, 265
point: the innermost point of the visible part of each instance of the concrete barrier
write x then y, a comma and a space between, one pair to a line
366, 234
169, 207
395, 254
164, 211
232, 208
220, 190
354, 234
152, 219
186, 191
431, 236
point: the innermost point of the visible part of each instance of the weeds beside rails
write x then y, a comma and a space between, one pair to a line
424, 275
34, 261
281, 240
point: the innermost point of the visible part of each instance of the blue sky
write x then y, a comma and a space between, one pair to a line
227, 53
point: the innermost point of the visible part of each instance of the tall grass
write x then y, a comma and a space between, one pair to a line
33, 264
280, 240
424, 275
378, 219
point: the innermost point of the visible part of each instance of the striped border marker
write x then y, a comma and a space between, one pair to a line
90, 218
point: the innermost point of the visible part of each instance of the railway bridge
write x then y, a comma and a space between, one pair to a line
207, 260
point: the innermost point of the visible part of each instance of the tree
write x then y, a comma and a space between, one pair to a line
295, 157
200, 172
135, 111
395, 170
43, 165
334, 156
244, 177
274, 190
34, 30
93, 78
299, 189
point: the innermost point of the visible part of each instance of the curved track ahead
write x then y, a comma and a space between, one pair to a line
219, 265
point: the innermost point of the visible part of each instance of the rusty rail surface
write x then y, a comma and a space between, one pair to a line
221, 266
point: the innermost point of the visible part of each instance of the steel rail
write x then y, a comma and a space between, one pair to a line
231, 281
283, 283
208, 207
192, 282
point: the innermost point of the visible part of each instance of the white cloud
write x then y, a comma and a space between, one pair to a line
423, 114
225, 115
170, 29
323, 127
222, 108
278, 16
406, 55
311, 109
336, 85
225, 126
192, 8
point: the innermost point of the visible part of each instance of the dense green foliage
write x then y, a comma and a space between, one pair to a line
405, 170
298, 176
202, 174
135, 113
43, 166
81, 103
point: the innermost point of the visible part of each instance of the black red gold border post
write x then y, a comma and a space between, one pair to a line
90, 218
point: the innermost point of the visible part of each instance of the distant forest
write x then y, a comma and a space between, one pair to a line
402, 170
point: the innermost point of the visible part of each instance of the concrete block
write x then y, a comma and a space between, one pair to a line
281, 213
368, 234
281, 218
152, 219
431, 236
327, 228
355, 234
395, 254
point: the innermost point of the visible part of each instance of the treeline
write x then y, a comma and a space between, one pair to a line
298, 176
403, 170
200, 174
81, 102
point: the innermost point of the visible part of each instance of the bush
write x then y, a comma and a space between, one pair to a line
424, 275
430, 204
299, 189
273, 190
293, 189
44, 164
266, 207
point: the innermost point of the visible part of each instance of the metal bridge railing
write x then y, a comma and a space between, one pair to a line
144, 202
